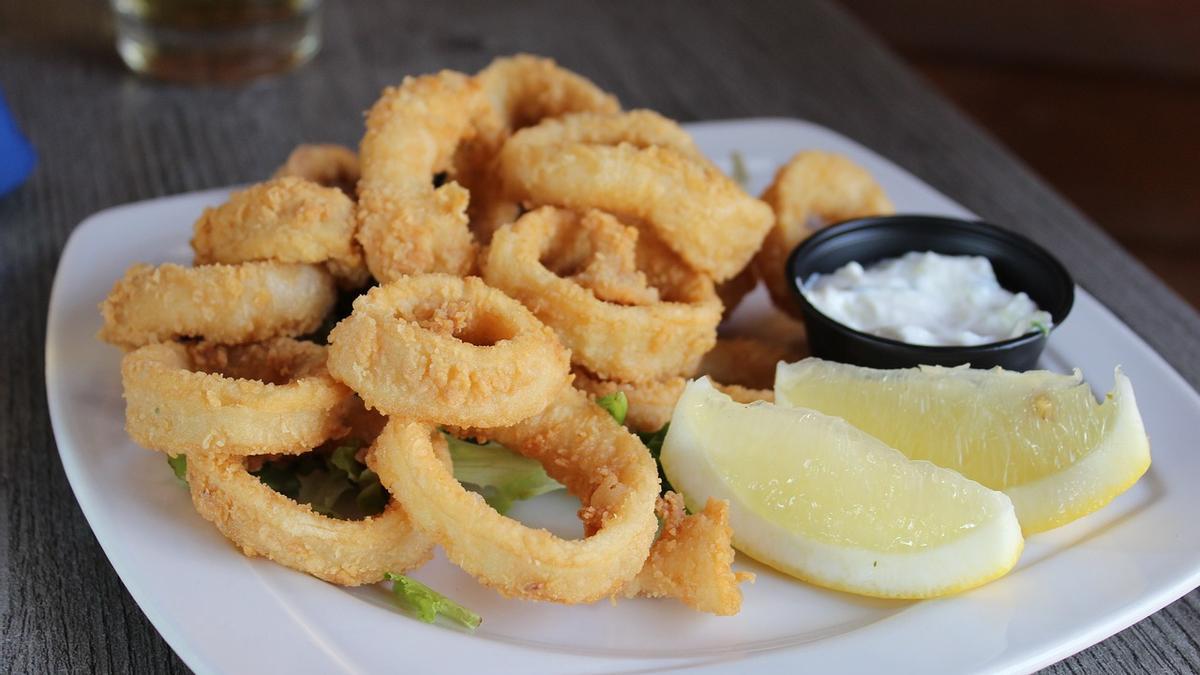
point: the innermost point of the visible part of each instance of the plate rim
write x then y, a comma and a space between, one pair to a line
179, 641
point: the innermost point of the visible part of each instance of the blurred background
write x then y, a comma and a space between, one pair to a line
1100, 97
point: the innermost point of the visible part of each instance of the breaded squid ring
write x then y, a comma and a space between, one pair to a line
691, 206
521, 90
580, 446
325, 164
406, 225
601, 254
627, 342
750, 362
651, 402
263, 522
812, 190
222, 303
692, 559
639, 128
289, 220
447, 350
273, 397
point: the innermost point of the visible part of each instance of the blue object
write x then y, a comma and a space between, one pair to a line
16, 154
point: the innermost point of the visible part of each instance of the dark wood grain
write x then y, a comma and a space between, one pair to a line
1106, 117
106, 137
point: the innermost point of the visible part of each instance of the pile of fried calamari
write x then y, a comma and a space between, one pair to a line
517, 250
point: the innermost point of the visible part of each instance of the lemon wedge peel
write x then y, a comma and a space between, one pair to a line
1114, 464
1103, 471
986, 552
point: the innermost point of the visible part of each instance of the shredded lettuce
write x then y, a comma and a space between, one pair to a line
427, 603
616, 404
370, 496
336, 484
1040, 327
499, 474
654, 442
333, 483
179, 466
739, 172
280, 477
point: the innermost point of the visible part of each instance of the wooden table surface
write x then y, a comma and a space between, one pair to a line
106, 137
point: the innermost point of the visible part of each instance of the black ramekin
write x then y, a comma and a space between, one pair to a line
1020, 265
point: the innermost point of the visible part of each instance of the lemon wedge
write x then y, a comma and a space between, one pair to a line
818, 499
1041, 437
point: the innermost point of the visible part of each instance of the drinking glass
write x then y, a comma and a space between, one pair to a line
216, 40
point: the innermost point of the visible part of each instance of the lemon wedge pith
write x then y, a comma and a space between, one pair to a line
818, 499
1040, 437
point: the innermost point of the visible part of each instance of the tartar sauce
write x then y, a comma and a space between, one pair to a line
926, 299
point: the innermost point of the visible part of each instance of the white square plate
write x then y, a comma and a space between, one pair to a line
224, 613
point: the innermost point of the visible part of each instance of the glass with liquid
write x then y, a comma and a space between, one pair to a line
216, 40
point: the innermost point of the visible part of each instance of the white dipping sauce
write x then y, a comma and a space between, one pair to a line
926, 299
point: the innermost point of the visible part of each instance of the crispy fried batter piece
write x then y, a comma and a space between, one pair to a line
692, 559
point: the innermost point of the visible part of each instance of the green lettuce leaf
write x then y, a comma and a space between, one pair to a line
322, 490
427, 604
499, 474
280, 477
654, 442
179, 466
616, 404
371, 497
739, 173
332, 482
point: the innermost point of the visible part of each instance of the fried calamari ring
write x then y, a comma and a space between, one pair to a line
263, 522
601, 254
750, 362
447, 350
692, 560
639, 128
273, 397
581, 447
614, 340
290, 220
222, 303
812, 190
651, 402
325, 164
521, 90
691, 206
406, 225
